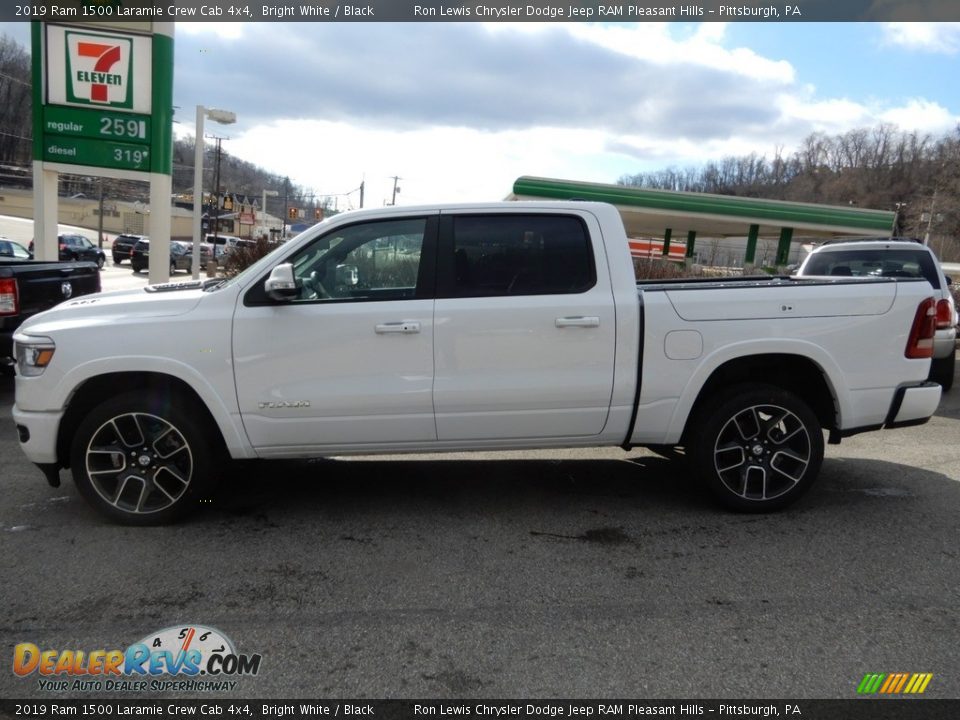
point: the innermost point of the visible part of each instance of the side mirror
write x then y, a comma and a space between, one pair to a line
347, 275
948, 279
281, 285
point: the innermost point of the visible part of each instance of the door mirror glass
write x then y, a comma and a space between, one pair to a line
347, 275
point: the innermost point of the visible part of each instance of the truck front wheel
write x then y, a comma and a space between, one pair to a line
757, 447
143, 461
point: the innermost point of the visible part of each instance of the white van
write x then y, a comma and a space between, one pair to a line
224, 243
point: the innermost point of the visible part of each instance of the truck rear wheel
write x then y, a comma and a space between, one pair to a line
141, 460
757, 447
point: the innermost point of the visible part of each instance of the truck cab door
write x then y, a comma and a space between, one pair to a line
524, 327
348, 360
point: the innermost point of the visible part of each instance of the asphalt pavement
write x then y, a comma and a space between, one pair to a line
522, 575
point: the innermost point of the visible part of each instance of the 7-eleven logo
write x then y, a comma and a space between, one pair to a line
99, 68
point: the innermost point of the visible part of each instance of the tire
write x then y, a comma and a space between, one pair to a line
100, 262
145, 459
942, 371
757, 448
117, 260
173, 268
137, 269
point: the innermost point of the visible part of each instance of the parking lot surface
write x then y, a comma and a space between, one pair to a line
521, 575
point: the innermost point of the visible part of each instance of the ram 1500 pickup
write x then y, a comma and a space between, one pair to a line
467, 327
28, 287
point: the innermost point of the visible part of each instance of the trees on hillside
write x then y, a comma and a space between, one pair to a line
16, 104
880, 167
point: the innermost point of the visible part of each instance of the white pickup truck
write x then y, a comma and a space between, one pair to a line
465, 327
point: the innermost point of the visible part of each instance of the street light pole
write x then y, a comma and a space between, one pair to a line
224, 117
263, 208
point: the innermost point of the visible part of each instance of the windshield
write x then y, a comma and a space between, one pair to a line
857, 262
258, 267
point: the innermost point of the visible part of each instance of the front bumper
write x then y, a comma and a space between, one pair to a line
38, 434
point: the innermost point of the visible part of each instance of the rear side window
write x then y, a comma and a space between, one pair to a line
875, 263
520, 255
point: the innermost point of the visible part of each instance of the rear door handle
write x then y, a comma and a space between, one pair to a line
404, 326
579, 321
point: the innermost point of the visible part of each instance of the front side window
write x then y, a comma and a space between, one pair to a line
520, 255
368, 261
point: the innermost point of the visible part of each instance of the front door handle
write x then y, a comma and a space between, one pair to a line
579, 321
407, 327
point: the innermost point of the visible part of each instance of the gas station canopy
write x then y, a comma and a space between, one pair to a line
651, 212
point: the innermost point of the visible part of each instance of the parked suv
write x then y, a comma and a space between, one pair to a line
123, 246
180, 256
223, 244
896, 257
77, 247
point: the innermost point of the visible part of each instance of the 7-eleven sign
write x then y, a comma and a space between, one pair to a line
98, 69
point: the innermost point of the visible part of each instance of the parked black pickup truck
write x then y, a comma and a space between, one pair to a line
28, 287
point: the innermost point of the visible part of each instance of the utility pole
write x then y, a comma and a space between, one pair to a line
286, 208
100, 225
362, 183
393, 200
933, 204
216, 200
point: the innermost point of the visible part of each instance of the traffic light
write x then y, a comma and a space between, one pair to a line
318, 213
292, 213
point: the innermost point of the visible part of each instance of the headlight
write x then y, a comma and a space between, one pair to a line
33, 355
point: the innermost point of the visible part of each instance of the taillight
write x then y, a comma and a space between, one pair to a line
944, 314
920, 343
9, 297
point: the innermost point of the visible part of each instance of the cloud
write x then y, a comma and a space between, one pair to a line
490, 78
940, 38
460, 110
922, 115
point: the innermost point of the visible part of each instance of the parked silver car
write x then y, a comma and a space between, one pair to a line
896, 257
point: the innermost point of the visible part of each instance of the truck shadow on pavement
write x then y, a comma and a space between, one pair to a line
282, 491
449, 484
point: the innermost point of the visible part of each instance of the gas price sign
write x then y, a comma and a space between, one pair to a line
96, 137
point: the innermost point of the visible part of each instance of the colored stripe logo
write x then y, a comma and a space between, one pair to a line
894, 683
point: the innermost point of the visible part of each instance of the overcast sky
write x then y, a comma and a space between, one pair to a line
459, 111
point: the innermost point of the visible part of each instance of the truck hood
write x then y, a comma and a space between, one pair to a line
117, 306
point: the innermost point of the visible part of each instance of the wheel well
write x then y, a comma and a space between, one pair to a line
797, 374
97, 389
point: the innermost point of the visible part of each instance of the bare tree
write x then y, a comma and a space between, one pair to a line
15, 102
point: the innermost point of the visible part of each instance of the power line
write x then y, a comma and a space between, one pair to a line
15, 79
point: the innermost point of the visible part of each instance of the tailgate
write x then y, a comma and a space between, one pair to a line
43, 285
